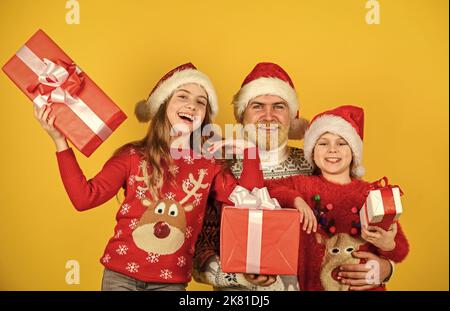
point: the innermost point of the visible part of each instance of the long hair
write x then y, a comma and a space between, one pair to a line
155, 148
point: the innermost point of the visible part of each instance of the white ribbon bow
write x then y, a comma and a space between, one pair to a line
257, 199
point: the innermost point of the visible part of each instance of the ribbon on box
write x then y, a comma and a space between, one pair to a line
255, 201
377, 185
59, 82
387, 198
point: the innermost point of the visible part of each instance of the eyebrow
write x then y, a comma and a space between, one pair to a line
202, 96
276, 103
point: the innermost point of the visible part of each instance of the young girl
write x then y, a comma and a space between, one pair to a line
333, 146
166, 187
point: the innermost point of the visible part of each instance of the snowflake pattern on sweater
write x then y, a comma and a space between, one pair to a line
154, 238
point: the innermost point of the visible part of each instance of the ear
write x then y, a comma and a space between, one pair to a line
188, 207
319, 238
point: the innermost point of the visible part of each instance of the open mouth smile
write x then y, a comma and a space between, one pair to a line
333, 159
186, 117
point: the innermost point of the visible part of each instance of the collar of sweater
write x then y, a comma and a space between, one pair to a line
274, 157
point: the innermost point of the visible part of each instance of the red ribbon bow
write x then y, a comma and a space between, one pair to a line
58, 80
376, 185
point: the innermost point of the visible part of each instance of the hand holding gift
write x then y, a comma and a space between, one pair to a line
47, 123
383, 239
257, 236
383, 206
48, 76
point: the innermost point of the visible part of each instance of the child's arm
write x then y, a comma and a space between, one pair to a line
251, 177
83, 194
391, 244
289, 194
285, 190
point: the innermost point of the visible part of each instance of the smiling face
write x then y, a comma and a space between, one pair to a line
186, 108
270, 114
333, 155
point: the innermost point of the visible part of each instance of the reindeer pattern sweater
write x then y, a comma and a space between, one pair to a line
152, 241
344, 202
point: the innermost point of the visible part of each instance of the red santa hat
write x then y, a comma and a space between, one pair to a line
345, 121
270, 79
183, 74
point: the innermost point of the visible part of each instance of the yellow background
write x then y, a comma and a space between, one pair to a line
397, 71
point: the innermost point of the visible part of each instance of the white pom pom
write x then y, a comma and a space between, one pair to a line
359, 171
298, 128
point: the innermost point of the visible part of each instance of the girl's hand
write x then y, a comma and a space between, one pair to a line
41, 114
384, 240
306, 215
238, 145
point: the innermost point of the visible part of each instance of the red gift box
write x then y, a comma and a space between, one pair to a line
383, 206
84, 113
260, 241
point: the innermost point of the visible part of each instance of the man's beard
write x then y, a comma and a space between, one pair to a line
267, 139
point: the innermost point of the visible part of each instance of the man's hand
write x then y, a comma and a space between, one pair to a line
260, 279
356, 275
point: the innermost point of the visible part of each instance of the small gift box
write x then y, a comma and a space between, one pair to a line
48, 76
257, 236
383, 206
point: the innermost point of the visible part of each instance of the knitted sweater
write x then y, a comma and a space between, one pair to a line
207, 266
319, 255
153, 240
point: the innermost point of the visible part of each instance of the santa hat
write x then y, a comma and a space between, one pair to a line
345, 121
270, 79
186, 73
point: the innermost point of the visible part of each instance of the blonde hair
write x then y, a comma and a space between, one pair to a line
155, 148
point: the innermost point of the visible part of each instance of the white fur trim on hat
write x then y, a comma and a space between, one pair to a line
167, 87
338, 126
266, 86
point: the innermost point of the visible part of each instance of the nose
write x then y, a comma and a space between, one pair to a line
191, 105
268, 113
161, 229
332, 148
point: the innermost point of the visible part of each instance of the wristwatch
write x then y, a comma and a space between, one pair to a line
390, 274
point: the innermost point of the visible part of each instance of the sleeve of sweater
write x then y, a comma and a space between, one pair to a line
251, 177
401, 249
86, 194
285, 190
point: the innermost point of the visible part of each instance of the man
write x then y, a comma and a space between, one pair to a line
267, 100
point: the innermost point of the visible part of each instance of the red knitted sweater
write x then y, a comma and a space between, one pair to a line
345, 201
153, 240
